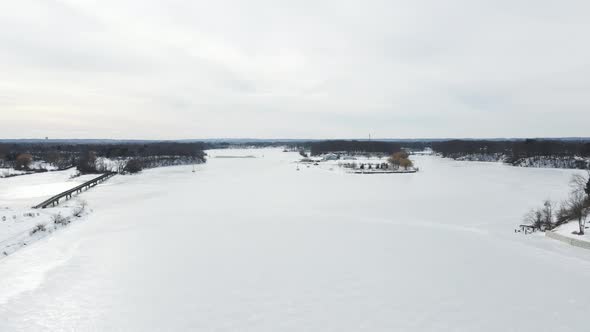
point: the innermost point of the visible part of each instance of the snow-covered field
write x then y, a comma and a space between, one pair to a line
26, 191
251, 244
18, 195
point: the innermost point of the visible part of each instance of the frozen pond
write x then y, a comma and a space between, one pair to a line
254, 245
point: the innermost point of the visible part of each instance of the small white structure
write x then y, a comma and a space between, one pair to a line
330, 156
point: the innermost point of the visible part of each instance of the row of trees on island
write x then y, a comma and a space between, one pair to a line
395, 161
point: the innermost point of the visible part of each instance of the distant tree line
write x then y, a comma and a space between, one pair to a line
322, 147
513, 149
85, 156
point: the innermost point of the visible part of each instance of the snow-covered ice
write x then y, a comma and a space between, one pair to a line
251, 244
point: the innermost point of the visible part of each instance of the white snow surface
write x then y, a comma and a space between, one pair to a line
6, 172
18, 195
571, 230
253, 245
28, 190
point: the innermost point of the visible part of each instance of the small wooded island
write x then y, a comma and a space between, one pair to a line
399, 162
360, 157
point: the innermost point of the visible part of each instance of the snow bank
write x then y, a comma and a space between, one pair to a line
571, 240
568, 233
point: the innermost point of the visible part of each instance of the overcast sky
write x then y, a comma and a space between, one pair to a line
294, 69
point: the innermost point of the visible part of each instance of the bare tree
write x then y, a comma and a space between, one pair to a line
534, 218
396, 158
563, 214
4, 150
580, 183
406, 163
579, 202
101, 165
87, 162
23, 161
578, 207
120, 165
53, 157
547, 214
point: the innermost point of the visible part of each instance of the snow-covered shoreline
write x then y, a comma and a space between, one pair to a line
576, 241
17, 217
36, 224
568, 233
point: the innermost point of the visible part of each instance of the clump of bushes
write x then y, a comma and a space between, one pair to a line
134, 166
400, 159
60, 220
541, 218
80, 209
38, 228
86, 163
